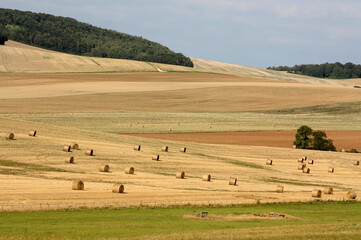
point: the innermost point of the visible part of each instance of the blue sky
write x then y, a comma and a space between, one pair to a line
258, 33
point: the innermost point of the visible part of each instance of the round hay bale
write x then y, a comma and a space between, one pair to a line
351, 195
32, 133
137, 148
165, 148
10, 136
118, 188
301, 166
316, 193
331, 170
66, 148
300, 160
155, 157
356, 163
328, 190
75, 146
104, 168
279, 189
180, 175
89, 152
294, 146
269, 162
69, 159
206, 178
310, 161
169, 129
183, 149
306, 170
232, 181
343, 150
78, 185
129, 170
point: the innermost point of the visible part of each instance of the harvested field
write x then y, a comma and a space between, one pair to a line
173, 97
341, 139
24, 183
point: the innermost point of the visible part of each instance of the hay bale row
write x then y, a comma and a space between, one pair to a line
79, 185
269, 162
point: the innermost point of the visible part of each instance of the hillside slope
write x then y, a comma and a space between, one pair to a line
17, 57
239, 70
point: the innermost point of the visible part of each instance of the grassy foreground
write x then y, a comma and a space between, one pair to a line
331, 220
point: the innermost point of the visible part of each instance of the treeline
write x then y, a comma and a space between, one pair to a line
327, 70
70, 36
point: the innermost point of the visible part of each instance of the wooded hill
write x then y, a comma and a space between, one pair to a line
71, 36
327, 70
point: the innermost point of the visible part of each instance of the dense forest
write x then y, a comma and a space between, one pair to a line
70, 36
327, 70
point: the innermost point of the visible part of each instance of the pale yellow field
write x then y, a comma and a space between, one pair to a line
68, 108
155, 181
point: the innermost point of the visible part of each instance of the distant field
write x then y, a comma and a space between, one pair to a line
341, 139
160, 122
339, 220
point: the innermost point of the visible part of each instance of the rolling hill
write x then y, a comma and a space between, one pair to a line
71, 36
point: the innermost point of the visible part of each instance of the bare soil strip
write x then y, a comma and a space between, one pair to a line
341, 139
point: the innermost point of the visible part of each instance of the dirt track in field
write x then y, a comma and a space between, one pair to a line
341, 139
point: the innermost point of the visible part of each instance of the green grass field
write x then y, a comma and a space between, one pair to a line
153, 122
315, 220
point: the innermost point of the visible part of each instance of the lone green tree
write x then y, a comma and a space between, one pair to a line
306, 138
320, 142
302, 137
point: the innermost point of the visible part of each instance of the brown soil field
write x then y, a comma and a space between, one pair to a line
284, 139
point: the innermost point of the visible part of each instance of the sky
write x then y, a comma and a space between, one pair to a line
259, 33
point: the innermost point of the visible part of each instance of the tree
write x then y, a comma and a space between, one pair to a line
306, 138
320, 142
302, 137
